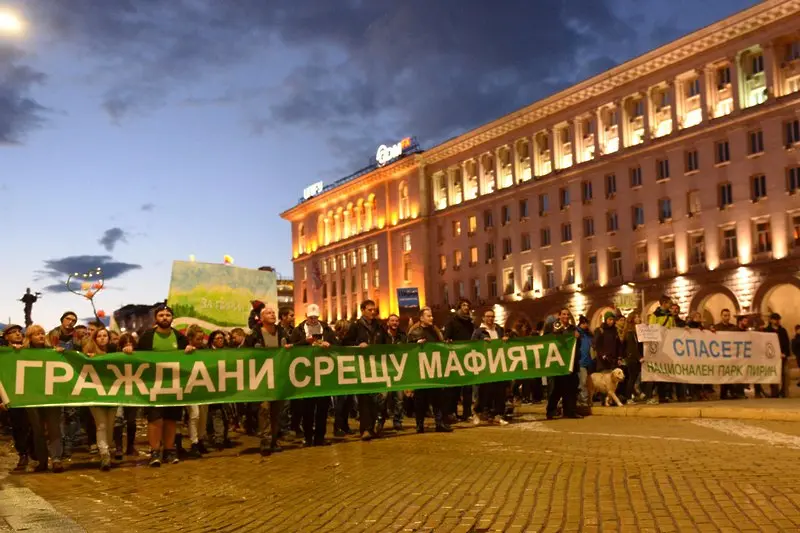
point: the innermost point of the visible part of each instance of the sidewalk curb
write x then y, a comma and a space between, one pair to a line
655, 411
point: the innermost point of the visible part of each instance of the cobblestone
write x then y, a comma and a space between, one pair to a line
598, 474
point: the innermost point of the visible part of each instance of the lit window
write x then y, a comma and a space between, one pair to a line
568, 268
758, 187
697, 249
549, 276
668, 254
473, 224
662, 169
364, 256
756, 144
793, 180
664, 209
692, 161
545, 237
442, 263
509, 288
763, 242
365, 280
611, 185
528, 277
525, 242
374, 252
406, 242
566, 232
729, 247
473, 255
636, 176
723, 153
725, 195
457, 259
588, 227
637, 214
586, 191
456, 228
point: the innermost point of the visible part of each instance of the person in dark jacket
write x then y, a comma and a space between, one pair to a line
491, 396
725, 324
774, 326
162, 421
422, 332
392, 401
313, 332
607, 344
254, 320
458, 329
583, 352
366, 331
565, 388
796, 346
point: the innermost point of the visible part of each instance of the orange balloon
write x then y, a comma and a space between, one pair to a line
97, 285
89, 295
101, 314
85, 286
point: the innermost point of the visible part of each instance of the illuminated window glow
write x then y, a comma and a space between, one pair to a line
724, 107
612, 145
664, 127
693, 118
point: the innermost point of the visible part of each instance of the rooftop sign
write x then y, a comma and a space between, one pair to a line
387, 154
312, 190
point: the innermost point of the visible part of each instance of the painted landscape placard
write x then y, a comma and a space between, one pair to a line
215, 296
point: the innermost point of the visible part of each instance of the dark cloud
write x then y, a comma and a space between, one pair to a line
148, 207
19, 112
418, 67
58, 270
111, 237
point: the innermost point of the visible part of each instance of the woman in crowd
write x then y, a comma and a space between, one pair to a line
49, 417
217, 340
634, 352
198, 414
104, 416
126, 416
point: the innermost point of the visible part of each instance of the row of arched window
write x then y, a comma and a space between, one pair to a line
354, 218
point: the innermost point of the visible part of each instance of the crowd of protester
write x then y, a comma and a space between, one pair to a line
44, 437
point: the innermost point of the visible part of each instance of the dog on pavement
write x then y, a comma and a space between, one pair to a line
606, 383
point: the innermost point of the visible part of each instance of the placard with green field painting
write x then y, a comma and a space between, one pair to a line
215, 296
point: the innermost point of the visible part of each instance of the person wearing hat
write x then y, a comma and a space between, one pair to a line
21, 423
607, 344
774, 326
313, 332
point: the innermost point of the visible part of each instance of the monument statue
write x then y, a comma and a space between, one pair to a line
29, 299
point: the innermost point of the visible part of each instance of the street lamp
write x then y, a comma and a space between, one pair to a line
10, 23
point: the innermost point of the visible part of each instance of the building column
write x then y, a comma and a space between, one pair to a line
736, 87
498, 166
536, 165
573, 140
673, 104
621, 123
770, 71
514, 163
598, 131
647, 112
481, 176
702, 76
551, 145
577, 140
465, 179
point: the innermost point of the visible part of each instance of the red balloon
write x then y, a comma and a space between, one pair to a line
101, 314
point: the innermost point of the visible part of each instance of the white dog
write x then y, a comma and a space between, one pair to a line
606, 383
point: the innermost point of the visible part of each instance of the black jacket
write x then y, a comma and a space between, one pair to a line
145, 343
256, 338
459, 328
401, 338
783, 339
482, 334
430, 334
608, 346
796, 346
298, 337
361, 331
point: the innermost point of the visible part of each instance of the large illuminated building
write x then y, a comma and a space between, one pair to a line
677, 172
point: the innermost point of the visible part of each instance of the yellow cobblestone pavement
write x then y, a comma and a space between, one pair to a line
599, 474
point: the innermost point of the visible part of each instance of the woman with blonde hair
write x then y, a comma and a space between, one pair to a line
49, 417
99, 344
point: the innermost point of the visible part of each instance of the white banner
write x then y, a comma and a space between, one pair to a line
695, 356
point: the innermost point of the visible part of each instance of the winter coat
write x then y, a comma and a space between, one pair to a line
608, 347
459, 328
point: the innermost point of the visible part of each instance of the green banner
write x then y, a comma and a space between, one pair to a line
45, 377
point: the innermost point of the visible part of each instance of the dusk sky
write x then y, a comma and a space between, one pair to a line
137, 132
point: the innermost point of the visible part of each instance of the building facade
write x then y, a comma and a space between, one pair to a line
677, 172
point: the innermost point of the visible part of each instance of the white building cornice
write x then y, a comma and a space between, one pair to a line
715, 35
